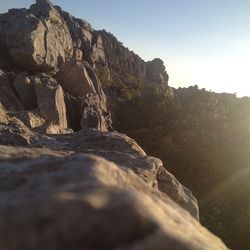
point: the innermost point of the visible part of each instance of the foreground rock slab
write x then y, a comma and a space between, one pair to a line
94, 190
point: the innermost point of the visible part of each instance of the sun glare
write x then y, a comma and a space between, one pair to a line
228, 73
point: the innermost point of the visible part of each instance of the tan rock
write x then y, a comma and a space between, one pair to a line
38, 39
79, 80
3, 115
25, 91
7, 97
85, 202
183, 196
126, 153
14, 132
31, 119
50, 100
156, 72
74, 79
93, 114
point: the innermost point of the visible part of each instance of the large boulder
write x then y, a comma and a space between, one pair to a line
79, 80
37, 39
62, 201
126, 153
50, 100
74, 79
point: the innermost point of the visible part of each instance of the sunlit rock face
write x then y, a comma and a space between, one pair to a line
71, 191
65, 51
126, 66
66, 180
37, 39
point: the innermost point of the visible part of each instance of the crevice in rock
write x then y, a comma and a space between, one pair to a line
45, 41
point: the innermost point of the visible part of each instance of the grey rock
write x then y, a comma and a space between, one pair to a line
183, 196
156, 72
25, 91
50, 100
74, 79
14, 132
126, 153
92, 189
8, 99
126, 67
37, 39
31, 119
85, 202
79, 80
93, 113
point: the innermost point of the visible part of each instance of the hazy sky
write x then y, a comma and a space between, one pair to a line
203, 42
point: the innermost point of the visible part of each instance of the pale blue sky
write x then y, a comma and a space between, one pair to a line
203, 42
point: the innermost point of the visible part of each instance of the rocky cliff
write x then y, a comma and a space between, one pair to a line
66, 180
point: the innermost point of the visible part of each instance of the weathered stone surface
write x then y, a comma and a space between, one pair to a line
14, 132
183, 196
103, 72
125, 152
84, 41
85, 202
7, 97
31, 119
50, 100
93, 113
53, 129
74, 79
25, 91
3, 115
156, 72
126, 67
79, 80
37, 39
98, 49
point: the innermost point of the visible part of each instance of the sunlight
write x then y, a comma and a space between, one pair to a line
228, 73
225, 186
230, 76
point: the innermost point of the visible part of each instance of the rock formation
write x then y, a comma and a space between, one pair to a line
92, 188
125, 65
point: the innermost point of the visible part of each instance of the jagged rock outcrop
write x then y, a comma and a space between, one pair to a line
37, 39
127, 67
47, 39
92, 189
44, 38
13, 131
156, 72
